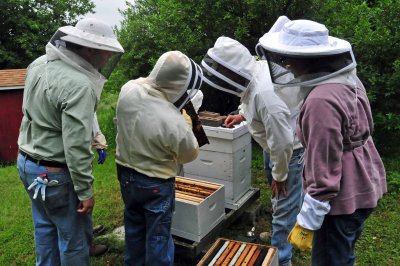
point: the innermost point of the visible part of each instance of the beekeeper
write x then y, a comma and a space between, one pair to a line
344, 176
61, 93
229, 66
152, 139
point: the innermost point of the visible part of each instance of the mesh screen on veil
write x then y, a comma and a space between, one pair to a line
222, 77
58, 42
304, 70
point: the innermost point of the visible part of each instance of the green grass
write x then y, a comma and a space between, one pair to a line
378, 244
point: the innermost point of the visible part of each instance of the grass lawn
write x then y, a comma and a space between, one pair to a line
378, 245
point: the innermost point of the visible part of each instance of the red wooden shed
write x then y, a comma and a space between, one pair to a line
11, 92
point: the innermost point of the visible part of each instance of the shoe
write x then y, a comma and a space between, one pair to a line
98, 229
265, 236
97, 250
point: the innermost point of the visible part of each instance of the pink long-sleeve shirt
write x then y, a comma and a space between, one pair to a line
348, 177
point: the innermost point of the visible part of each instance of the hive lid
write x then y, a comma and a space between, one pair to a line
227, 133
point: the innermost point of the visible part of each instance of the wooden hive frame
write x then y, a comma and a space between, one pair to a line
193, 191
225, 252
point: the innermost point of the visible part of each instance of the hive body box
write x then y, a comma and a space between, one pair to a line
226, 160
194, 220
237, 253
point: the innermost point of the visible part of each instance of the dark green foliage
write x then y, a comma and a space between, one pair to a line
392, 165
373, 29
27, 25
154, 27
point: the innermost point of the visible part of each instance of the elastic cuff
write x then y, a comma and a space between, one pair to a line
312, 213
98, 146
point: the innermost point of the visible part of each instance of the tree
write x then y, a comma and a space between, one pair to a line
27, 25
152, 27
373, 29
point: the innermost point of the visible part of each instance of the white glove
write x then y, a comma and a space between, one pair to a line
197, 100
312, 213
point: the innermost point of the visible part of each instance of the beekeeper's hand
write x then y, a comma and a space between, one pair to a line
86, 206
187, 118
301, 238
232, 120
309, 219
277, 188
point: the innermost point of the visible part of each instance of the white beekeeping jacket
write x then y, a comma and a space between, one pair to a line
153, 137
269, 121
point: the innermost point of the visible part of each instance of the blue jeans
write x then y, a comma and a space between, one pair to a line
62, 235
285, 209
334, 242
149, 204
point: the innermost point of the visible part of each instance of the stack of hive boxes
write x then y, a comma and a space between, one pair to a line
226, 160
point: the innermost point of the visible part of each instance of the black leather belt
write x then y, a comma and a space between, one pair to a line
42, 162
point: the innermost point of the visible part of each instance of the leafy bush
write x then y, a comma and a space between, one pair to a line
393, 175
393, 181
151, 28
372, 27
106, 115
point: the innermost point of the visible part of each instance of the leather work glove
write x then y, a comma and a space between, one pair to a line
187, 118
301, 238
102, 156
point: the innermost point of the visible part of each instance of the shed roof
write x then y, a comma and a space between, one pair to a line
12, 77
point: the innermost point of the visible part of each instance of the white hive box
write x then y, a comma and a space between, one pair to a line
226, 160
234, 190
194, 220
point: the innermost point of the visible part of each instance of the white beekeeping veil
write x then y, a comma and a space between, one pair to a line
228, 66
304, 52
92, 33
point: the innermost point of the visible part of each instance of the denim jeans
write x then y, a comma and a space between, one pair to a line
285, 209
149, 204
62, 235
334, 242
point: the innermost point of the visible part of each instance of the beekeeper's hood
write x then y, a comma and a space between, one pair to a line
228, 66
292, 96
92, 33
304, 49
177, 77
